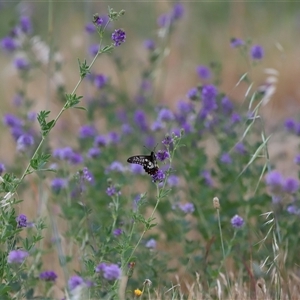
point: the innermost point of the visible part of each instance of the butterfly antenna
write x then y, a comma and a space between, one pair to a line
151, 150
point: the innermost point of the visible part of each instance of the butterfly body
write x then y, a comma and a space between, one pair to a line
148, 162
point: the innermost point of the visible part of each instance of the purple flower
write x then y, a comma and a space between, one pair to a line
76, 158
9, 44
193, 94
157, 125
58, 184
184, 107
97, 20
21, 63
203, 72
163, 20
165, 115
63, 153
136, 169
158, 176
297, 129
12, 121
109, 271
21, 220
2, 168
209, 93
100, 81
237, 221
100, 141
291, 185
126, 129
235, 43
275, 180
93, 49
87, 131
17, 256
140, 119
75, 281
168, 140
31, 116
24, 141
293, 210
16, 132
173, 180
235, 118
94, 152
290, 125
48, 276
227, 106
114, 137
111, 191
296, 159
118, 37
187, 208
87, 175
18, 99
257, 52
117, 231
226, 159
207, 178
149, 44
187, 127
25, 25
240, 148
151, 244
162, 155
178, 11
90, 28
116, 166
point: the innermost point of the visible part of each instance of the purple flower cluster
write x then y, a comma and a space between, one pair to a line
162, 155
278, 184
206, 175
292, 126
87, 175
24, 139
48, 276
57, 184
21, 221
235, 43
118, 37
257, 52
87, 131
167, 19
187, 208
100, 81
75, 281
237, 222
159, 176
151, 244
69, 155
109, 271
203, 72
17, 256
111, 191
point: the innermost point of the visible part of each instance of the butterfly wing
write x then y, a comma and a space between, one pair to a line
147, 161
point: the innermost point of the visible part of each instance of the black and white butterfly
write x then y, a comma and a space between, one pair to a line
148, 162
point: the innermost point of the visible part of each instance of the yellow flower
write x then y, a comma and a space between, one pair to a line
138, 292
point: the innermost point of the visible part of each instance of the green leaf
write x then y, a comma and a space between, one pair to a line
83, 68
72, 100
80, 107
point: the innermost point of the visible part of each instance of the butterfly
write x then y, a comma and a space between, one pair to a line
148, 162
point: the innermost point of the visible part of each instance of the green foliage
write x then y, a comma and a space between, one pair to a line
102, 215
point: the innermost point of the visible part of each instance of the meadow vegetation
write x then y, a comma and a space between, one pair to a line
215, 220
